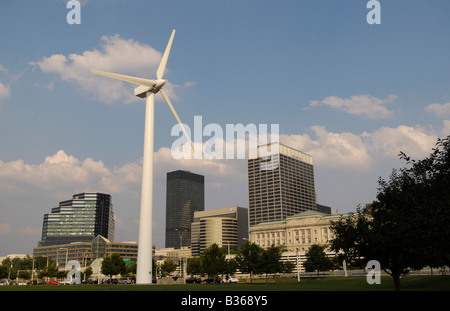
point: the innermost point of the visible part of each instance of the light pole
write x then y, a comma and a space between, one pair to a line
180, 234
298, 268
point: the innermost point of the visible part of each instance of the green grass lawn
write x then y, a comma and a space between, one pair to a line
409, 283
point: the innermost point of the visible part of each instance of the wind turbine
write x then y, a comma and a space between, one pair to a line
147, 89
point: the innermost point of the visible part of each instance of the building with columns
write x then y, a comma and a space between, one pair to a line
296, 233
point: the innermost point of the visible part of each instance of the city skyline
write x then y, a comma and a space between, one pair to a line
350, 94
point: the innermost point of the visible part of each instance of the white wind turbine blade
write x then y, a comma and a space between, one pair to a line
163, 63
176, 117
135, 80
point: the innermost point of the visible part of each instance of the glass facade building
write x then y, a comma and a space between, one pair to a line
84, 252
80, 219
185, 194
280, 184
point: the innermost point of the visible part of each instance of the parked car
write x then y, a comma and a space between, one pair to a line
4, 282
231, 279
194, 280
64, 282
125, 281
112, 281
213, 280
34, 282
89, 281
52, 283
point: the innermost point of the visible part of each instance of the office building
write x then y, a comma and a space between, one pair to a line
296, 234
298, 231
85, 252
226, 227
280, 183
80, 219
185, 194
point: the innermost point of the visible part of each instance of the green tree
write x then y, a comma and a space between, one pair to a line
249, 259
194, 266
49, 271
271, 261
213, 260
113, 265
88, 272
407, 225
317, 259
230, 267
168, 266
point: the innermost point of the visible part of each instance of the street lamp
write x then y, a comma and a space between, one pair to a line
180, 234
298, 268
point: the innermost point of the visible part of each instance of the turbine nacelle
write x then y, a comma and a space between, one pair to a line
142, 90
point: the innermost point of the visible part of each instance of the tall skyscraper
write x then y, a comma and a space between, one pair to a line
185, 194
80, 219
227, 227
280, 184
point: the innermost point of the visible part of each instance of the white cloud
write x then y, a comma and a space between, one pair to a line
5, 91
348, 151
125, 56
366, 106
62, 173
440, 111
332, 150
445, 128
416, 142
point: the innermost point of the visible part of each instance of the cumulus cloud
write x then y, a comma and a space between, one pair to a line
440, 111
366, 106
119, 55
332, 150
5, 91
445, 128
350, 151
62, 172
415, 141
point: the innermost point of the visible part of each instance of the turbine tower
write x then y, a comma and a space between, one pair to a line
147, 89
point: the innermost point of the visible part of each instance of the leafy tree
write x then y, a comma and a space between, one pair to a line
213, 260
3, 271
249, 258
431, 198
168, 266
113, 265
271, 261
407, 226
88, 272
41, 262
317, 259
194, 266
230, 267
49, 271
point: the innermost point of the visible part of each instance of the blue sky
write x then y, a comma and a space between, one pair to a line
350, 94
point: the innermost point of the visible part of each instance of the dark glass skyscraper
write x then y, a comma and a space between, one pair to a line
185, 194
280, 184
79, 220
